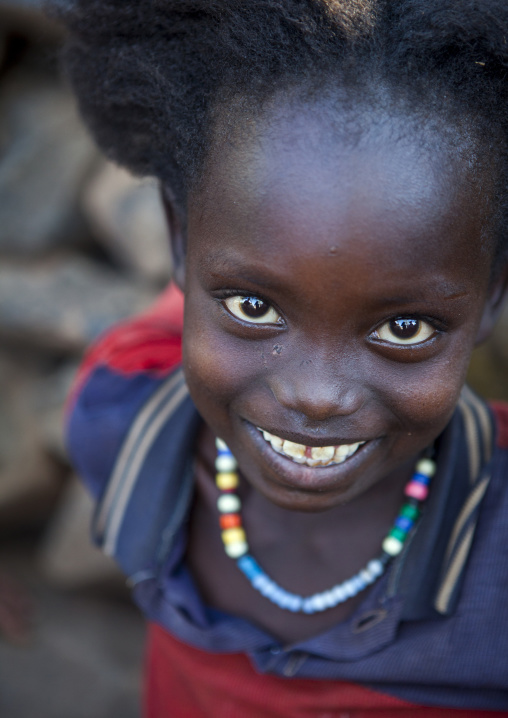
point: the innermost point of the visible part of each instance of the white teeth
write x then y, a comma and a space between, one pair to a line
341, 452
295, 451
353, 448
322, 453
275, 441
319, 455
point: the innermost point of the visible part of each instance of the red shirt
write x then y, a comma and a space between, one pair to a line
184, 682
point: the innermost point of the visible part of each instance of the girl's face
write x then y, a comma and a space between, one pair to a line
334, 292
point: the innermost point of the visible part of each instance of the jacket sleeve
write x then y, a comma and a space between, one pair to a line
118, 375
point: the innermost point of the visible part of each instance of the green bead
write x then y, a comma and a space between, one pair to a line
398, 534
410, 512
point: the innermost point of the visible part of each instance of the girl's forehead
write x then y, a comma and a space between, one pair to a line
387, 176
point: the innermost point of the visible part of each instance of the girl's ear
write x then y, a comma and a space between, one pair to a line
493, 305
176, 235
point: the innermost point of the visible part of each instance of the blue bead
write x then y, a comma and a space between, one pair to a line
404, 523
421, 479
296, 604
249, 566
307, 606
360, 583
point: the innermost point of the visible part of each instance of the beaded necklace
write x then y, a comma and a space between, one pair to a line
236, 546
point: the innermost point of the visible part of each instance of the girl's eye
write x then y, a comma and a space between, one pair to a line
253, 310
405, 330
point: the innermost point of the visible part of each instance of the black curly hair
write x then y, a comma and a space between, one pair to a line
150, 74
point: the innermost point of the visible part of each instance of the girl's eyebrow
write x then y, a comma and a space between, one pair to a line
444, 293
230, 270
227, 269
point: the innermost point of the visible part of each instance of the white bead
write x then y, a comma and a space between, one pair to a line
318, 602
375, 567
338, 594
236, 549
427, 467
221, 445
307, 605
366, 576
349, 590
328, 598
269, 589
392, 546
225, 462
295, 604
281, 597
355, 585
360, 583
228, 503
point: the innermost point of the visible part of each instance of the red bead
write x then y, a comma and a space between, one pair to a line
416, 491
230, 521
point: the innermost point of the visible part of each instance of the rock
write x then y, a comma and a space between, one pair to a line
48, 399
499, 339
127, 217
64, 303
45, 156
26, 17
30, 479
488, 372
67, 556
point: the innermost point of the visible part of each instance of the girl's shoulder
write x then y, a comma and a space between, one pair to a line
119, 374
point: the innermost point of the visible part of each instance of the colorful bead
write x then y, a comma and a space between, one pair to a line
249, 566
392, 546
235, 550
228, 503
225, 463
236, 546
421, 479
227, 481
398, 534
410, 511
403, 523
416, 491
230, 521
233, 535
222, 446
426, 467
375, 567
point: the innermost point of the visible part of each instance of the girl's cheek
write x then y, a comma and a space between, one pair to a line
217, 365
429, 402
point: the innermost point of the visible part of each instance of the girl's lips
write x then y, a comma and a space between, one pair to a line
308, 477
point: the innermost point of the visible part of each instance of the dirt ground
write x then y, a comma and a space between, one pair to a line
83, 655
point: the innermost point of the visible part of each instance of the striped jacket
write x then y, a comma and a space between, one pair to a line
434, 629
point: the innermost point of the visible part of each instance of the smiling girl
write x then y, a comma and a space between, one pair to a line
299, 486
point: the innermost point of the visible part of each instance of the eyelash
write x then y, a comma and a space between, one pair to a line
437, 326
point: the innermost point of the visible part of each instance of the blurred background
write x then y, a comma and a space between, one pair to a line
82, 245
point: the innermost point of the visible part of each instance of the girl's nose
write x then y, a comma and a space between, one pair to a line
318, 392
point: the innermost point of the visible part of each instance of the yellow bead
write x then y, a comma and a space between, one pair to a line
221, 445
236, 535
226, 480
